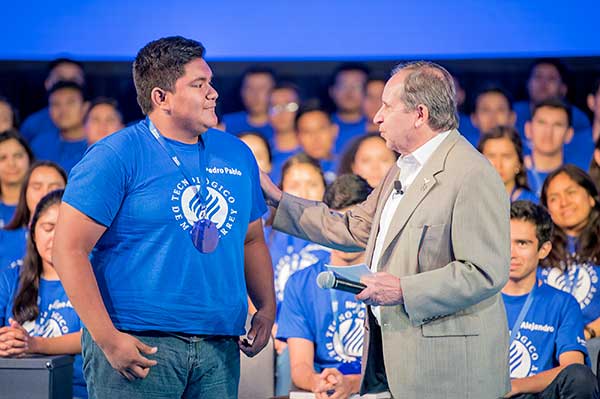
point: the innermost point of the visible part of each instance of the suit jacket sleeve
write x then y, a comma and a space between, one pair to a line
314, 221
480, 235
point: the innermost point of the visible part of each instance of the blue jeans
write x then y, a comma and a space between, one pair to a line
187, 368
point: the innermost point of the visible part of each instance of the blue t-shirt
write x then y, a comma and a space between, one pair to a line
526, 195
580, 150
466, 128
237, 122
536, 178
12, 245
585, 289
307, 312
278, 158
38, 123
6, 213
329, 168
347, 131
289, 255
551, 327
56, 315
150, 275
579, 121
50, 146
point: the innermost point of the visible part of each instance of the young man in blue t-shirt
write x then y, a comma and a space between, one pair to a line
547, 347
324, 329
172, 209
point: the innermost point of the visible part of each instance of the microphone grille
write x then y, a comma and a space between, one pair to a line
326, 280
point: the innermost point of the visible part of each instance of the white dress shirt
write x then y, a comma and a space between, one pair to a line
410, 165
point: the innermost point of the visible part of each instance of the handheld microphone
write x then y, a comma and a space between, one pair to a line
330, 280
398, 187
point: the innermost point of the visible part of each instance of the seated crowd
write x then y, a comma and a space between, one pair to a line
546, 151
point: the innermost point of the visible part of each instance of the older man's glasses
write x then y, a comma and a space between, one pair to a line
288, 107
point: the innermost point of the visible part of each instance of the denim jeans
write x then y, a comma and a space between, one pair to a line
187, 368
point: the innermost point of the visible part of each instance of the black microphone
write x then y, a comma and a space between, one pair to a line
398, 187
330, 280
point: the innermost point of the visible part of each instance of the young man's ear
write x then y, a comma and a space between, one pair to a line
159, 98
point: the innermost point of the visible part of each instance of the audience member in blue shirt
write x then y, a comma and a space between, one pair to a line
372, 102
503, 147
548, 130
572, 200
257, 83
67, 109
15, 158
325, 334
368, 157
548, 354
317, 136
493, 107
347, 90
61, 69
8, 115
260, 149
178, 238
547, 79
283, 106
34, 307
41, 178
102, 119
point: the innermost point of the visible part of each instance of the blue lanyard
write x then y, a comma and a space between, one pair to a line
524, 310
187, 176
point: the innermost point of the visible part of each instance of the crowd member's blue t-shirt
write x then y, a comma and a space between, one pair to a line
150, 275
50, 146
278, 158
525, 195
289, 255
38, 123
307, 312
347, 131
6, 213
237, 122
579, 121
466, 128
12, 245
552, 326
329, 168
56, 315
580, 150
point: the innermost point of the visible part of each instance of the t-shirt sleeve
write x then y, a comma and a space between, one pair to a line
570, 336
259, 207
293, 321
97, 184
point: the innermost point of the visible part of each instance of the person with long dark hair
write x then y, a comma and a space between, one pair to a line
41, 178
15, 158
503, 147
572, 200
368, 157
34, 309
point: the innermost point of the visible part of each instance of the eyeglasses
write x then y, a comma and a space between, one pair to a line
289, 107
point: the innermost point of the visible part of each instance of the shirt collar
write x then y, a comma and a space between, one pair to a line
423, 153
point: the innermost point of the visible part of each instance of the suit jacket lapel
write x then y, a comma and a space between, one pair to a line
417, 191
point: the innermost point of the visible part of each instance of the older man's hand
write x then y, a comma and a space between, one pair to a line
383, 289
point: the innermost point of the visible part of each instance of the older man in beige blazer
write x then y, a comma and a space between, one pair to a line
436, 232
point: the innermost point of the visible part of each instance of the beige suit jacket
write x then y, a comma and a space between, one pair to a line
449, 242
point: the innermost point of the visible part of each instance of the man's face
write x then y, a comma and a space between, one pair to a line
256, 89
282, 109
372, 101
192, 103
492, 109
102, 120
66, 72
549, 130
524, 252
545, 82
317, 134
348, 91
67, 108
6, 117
397, 126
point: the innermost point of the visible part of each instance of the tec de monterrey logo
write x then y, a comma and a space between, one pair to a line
220, 204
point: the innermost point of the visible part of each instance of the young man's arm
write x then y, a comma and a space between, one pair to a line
75, 237
537, 383
259, 281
